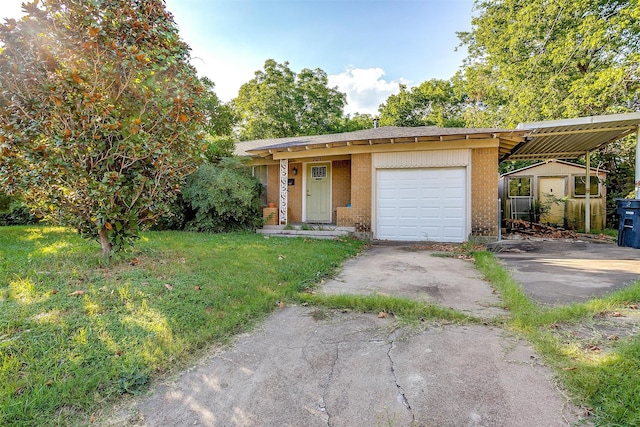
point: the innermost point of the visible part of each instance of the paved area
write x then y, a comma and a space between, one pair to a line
316, 367
557, 272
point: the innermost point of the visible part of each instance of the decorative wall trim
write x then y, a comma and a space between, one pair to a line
284, 188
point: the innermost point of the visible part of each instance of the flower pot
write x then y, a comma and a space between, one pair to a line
272, 205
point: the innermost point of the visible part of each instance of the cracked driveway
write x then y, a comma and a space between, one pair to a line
306, 367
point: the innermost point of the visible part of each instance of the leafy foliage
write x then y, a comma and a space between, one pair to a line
356, 122
223, 197
14, 212
99, 114
433, 103
537, 60
278, 103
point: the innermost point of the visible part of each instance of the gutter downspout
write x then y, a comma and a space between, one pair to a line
587, 196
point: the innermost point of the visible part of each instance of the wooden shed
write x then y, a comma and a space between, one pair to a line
553, 192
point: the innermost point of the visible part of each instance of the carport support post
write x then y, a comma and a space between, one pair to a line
587, 196
638, 162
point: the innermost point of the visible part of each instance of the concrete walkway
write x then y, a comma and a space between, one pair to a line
313, 367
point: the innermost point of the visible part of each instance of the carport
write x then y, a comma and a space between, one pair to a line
572, 138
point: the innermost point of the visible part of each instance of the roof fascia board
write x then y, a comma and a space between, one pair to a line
580, 121
379, 148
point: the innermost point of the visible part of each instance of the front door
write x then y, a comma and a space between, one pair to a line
551, 193
318, 192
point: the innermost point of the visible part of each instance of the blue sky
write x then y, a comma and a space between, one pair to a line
367, 47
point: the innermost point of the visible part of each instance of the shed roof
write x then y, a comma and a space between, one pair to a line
535, 165
572, 138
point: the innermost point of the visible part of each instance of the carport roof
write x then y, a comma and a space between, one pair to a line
572, 138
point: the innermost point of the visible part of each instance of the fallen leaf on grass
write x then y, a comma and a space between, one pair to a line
168, 286
594, 348
76, 293
93, 418
633, 306
616, 314
55, 291
145, 283
281, 257
382, 315
197, 288
573, 368
613, 338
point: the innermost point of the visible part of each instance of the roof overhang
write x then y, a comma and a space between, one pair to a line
572, 138
505, 140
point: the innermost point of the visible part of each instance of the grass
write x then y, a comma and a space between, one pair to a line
593, 347
75, 335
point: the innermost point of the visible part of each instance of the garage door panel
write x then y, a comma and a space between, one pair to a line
421, 204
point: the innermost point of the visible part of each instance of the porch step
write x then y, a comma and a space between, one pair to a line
318, 232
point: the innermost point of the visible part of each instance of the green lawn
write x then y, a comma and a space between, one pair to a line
76, 335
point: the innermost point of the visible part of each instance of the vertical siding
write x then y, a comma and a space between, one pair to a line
422, 159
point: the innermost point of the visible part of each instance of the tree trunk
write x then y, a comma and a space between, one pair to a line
104, 241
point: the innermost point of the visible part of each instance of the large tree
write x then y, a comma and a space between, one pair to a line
432, 103
99, 113
277, 103
533, 60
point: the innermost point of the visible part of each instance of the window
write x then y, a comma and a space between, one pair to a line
318, 172
260, 173
579, 187
520, 187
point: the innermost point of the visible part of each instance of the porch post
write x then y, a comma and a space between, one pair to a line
638, 162
284, 188
587, 197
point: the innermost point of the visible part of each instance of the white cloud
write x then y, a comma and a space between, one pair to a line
366, 89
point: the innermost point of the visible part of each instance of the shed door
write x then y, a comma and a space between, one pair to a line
421, 204
551, 191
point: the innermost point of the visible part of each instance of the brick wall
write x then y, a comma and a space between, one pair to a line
341, 186
295, 193
484, 192
273, 184
361, 191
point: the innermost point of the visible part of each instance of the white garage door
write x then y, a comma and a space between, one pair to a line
421, 204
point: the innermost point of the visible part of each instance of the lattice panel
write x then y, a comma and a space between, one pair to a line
284, 189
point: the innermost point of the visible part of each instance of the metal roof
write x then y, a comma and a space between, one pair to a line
508, 139
572, 138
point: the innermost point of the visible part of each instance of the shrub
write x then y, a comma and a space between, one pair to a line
14, 212
223, 197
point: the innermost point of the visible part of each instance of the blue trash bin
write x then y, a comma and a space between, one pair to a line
629, 226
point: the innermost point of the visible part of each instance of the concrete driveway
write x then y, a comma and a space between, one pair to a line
313, 367
558, 272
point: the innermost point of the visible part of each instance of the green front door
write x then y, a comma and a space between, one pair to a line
318, 192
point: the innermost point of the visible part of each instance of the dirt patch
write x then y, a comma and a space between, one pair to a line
600, 334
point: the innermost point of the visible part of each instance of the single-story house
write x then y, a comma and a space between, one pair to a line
419, 183
391, 183
557, 188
